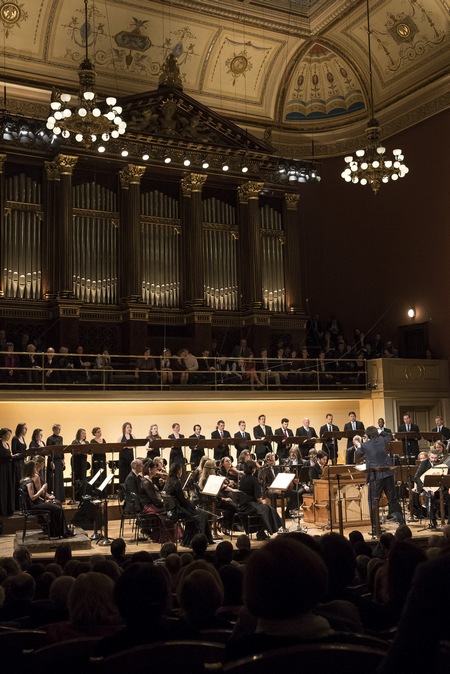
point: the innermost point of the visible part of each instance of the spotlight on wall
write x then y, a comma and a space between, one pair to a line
145, 157
167, 158
186, 161
205, 163
124, 152
225, 166
244, 169
411, 312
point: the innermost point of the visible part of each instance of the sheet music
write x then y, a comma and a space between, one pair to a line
94, 479
105, 482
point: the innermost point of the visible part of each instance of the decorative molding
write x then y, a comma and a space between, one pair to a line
291, 201
274, 233
162, 222
91, 213
193, 182
51, 170
249, 190
131, 175
2, 161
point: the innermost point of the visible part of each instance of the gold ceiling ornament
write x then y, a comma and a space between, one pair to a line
372, 166
88, 123
291, 201
65, 163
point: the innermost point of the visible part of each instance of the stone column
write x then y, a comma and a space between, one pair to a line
130, 264
62, 258
2, 209
250, 244
192, 240
292, 267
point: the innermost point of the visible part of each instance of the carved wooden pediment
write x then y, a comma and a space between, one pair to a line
169, 113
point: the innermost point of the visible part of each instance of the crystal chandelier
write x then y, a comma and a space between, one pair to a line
87, 122
372, 166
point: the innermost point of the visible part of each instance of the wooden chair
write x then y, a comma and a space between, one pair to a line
171, 657
42, 517
321, 658
14, 642
72, 656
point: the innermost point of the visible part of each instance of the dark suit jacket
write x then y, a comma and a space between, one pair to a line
444, 431
258, 433
348, 427
376, 454
221, 450
411, 446
315, 472
132, 486
283, 447
196, 454
301, 432
238, 436
331, 448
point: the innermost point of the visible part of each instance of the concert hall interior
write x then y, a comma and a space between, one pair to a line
210, 213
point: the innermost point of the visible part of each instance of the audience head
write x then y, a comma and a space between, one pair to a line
141, 594
340, 560
284, 557
91, 600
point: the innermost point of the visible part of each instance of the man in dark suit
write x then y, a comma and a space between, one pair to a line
259, 433
196, 453
306, 431
375, 452
440, 428
221, 450
241, 350
283, 446
242, 436
352, 425
410, 446
330, 445
132, 487
382, 430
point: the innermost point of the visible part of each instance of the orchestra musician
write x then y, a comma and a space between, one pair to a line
434, 458
253, 502
152, 504
132, 488
224, 498
186, 509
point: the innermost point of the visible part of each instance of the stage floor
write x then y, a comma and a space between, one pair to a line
419, 530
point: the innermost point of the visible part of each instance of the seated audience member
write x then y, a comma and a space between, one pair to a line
142, 595
92, 612
340, 559
57, 609
19, 591
243, 548
283, 618
200, 595
118, 549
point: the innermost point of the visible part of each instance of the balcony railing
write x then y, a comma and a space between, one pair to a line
106, 372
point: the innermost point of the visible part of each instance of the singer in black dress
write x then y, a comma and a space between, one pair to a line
56, 465
253, 502
6, 475
126, 454
80, 463
18, 449
98, 459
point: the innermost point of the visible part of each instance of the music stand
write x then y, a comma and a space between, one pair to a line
104, 538
441, 481
212, 488
282, 482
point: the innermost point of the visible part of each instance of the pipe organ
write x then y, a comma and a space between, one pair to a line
21, 237
78, 237
95, 243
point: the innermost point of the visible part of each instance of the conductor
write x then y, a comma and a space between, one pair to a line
376, 455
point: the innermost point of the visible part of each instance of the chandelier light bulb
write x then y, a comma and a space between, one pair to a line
364, 165
145, 157
110, 115
55, 105
79, 137
359, 153
67, 113
101, 148
124, 152
65, 133
117, 109
111, 100
187, 162
56, 130
66, 98
375, 164
88, 95
105, 136
114, 133
82, 112
58, 114
96, 112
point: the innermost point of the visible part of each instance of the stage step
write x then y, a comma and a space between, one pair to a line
36, 541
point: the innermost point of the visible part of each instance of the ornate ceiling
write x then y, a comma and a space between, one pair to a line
292, 70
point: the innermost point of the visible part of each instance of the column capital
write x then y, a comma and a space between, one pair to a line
2, 161
249, 190
131, 175
65, 163
291, 201
193, 182
51, 170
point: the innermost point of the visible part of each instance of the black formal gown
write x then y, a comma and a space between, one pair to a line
18, 447
187, 510
270, 520
58, 527
6, 481
126, 456
55, 473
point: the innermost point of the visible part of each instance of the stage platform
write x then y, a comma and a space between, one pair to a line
37, 542
84, 547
